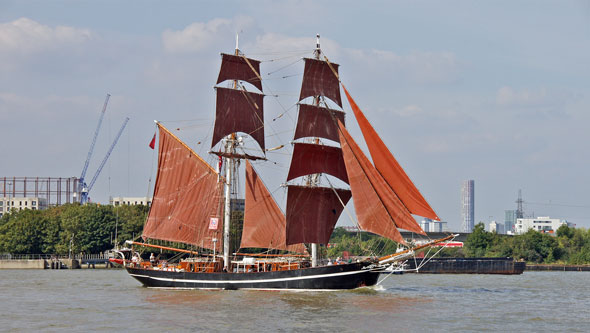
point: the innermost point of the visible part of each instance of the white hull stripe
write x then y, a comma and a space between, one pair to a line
321, 276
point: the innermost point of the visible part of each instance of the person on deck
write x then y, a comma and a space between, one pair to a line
152, 259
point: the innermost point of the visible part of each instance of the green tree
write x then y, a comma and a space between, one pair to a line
478, 242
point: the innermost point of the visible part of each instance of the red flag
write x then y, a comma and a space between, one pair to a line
153, 142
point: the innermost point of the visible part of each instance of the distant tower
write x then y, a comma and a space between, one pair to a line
519, 201
468, 205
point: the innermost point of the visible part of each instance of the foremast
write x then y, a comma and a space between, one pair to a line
237, 110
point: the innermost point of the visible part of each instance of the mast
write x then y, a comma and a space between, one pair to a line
312, 208
312, 180
229, 148
237, 110
227, 209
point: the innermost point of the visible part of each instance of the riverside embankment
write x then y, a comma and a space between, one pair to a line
41, 261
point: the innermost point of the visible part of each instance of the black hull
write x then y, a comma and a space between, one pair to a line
335, 277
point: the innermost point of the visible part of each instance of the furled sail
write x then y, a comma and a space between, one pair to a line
312, 213
235, 67
319, 80
390, 169
186, 196
239, 111
264, 222
377, 207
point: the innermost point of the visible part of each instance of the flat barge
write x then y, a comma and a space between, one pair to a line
468, 266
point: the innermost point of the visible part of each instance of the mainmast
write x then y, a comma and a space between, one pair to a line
313, 180
313, 209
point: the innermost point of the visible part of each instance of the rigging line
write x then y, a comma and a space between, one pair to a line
286, 112
285, 66
298, 53
246, 93
554, 204
283, 77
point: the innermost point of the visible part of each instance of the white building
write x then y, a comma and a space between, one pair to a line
130, 201
429, 225
19, 203
542, 224
496, 227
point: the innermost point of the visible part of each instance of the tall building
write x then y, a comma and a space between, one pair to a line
510, 221
468, 205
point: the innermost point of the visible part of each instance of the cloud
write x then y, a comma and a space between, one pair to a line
408, 111
507, 96
199, 36
26, 36
535, 98
417, 66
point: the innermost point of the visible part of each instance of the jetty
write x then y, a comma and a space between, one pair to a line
47, 261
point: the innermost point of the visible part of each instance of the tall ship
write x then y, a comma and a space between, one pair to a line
192, 201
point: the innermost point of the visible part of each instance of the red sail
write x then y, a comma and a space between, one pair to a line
390, 169
236, 68
186, 196
310, 159
377, 207
319, 80
315, 121
264, 222
239, 111
312, 213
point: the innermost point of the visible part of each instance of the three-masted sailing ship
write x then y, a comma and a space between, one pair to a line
192, 200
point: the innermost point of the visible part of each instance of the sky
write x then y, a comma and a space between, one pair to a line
495, 91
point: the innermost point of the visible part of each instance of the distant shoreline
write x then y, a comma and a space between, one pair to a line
557, 267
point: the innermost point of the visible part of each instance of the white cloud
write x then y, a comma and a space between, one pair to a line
420, 67
26, 36
199, 35
507, 96
409, 110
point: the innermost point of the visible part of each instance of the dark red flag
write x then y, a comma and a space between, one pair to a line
153, 142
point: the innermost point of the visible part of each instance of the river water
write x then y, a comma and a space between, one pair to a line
110, 300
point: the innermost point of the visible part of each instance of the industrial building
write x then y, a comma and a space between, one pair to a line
8, 204
468, 205
543, 224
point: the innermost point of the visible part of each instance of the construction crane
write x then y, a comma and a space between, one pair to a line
83, 188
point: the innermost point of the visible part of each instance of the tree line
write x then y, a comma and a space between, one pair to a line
567, 246
77, 228
92, 228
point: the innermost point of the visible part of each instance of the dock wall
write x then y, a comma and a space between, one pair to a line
23, 264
